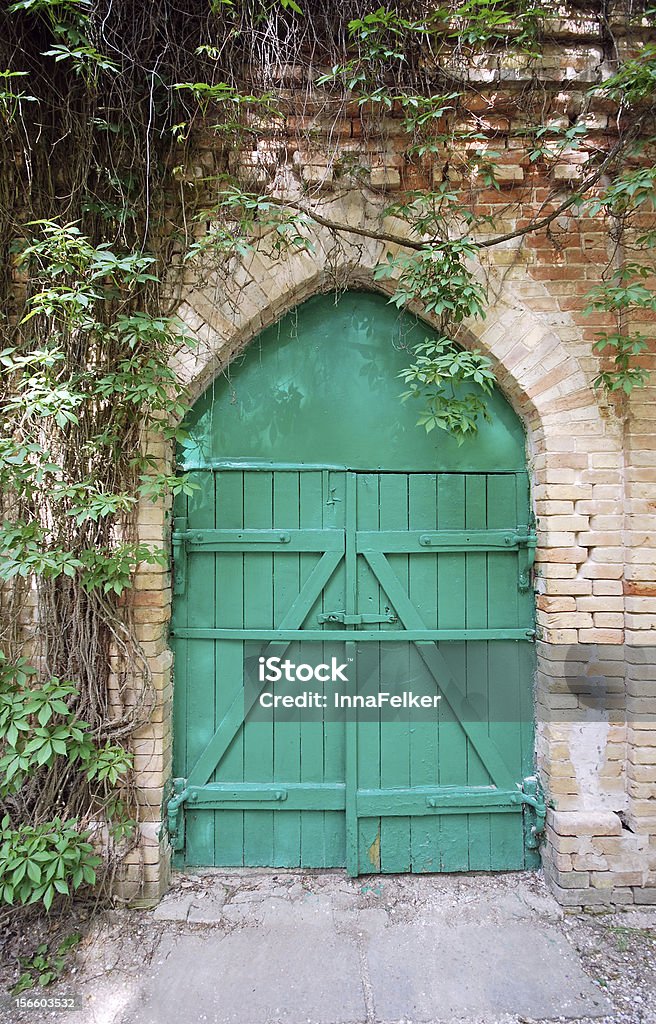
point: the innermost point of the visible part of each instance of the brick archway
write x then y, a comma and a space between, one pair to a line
575, 456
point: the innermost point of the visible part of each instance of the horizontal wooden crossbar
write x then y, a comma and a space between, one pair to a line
293, 796
190, 465
261, 540
393, 802
369, 635
437, 800
409, 541
389, 541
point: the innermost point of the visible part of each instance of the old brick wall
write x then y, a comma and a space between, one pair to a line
592, 460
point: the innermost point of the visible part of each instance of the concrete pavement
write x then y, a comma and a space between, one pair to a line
320, 948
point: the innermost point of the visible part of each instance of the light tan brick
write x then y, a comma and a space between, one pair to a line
556, 604
560, 570
585, 823
567, 620
608, 620
555, 508
602, 571
600, 604
570, 554
606, 588
564, 492
559, 636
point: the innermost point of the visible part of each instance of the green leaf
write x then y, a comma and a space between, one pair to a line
34, 871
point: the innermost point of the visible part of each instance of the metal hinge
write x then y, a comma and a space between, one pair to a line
535, 811
363, 619
526, 539
175, 814
179, 554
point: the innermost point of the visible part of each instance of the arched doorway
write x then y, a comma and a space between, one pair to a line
324, 515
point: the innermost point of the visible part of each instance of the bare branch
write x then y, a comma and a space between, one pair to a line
418, 246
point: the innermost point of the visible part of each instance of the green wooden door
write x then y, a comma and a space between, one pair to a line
386, 546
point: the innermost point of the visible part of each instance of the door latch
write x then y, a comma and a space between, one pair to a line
363, 619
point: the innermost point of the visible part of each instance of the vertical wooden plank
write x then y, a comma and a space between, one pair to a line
451, 613
201, 665
312, 852
180, 650
477, 683
179, 617
395, 737
526, 660
333, 490
425, 829
523, 517
527, 667
229, 825
287, 733
369, 599
505, 684
351, 727
258, 613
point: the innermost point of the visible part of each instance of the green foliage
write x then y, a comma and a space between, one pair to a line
26, 551
86, 374
624, 289
82, 300
37, 862
11, 100
429, 213
228, 102
484, 22
629, 287
451, 383
623, 293
69, 23
627, 193
39, 731
385, 34
634, 81
46, 965
625, 375
550, 141
37, 726
237, 218
290, 5
438, 277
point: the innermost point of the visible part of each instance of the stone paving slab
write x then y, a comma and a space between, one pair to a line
423, 972
253, 975
388, 949
320, 948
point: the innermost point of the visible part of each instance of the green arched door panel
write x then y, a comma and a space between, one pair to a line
322, 387
323, 514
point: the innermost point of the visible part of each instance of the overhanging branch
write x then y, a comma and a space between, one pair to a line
537, 225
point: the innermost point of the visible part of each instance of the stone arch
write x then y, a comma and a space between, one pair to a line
540, 367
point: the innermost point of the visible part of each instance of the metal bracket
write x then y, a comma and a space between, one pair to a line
363, 619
